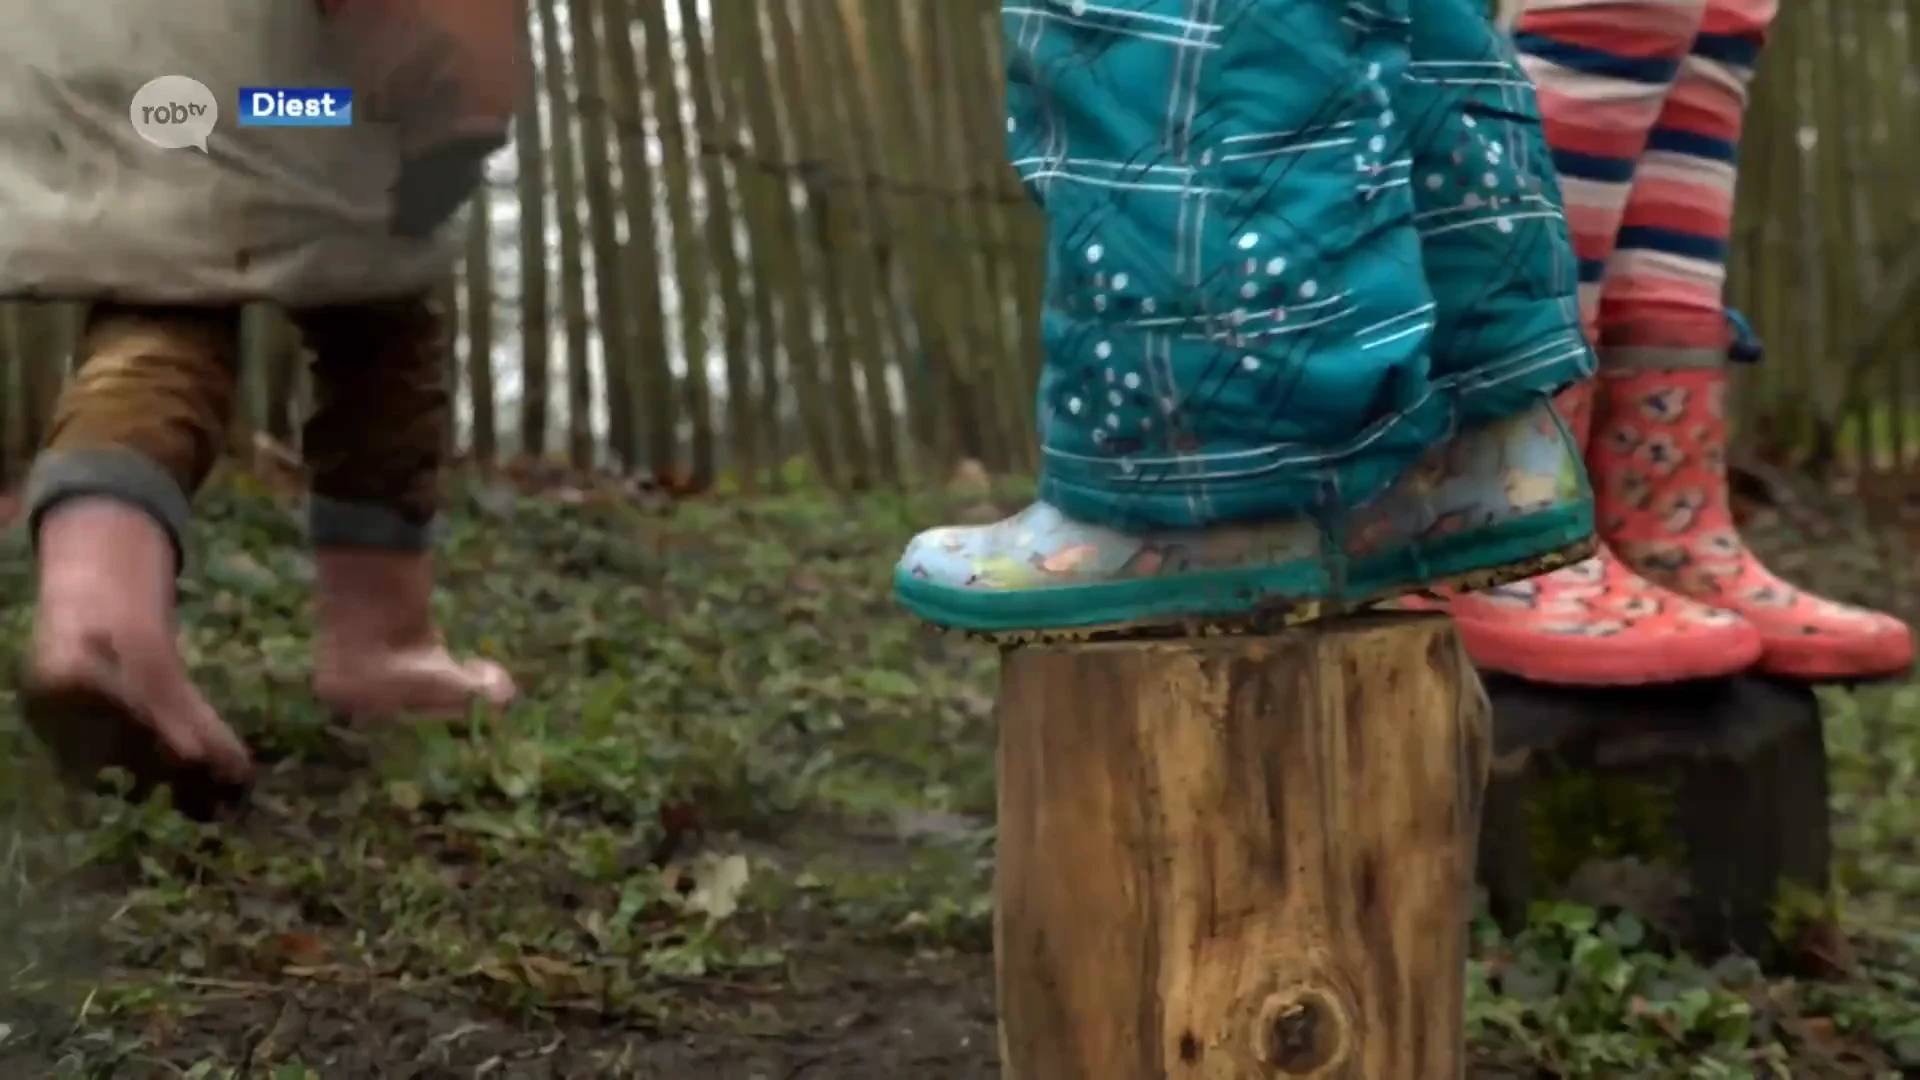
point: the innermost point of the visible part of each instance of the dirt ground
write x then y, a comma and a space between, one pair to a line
739, 829
844, 1012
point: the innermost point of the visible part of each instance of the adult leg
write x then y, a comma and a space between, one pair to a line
1659, 454
134, 434
374, 447
1603, 69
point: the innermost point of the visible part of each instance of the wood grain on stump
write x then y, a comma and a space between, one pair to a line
1239, 858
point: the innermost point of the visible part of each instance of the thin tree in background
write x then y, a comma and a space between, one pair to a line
478, 275
690, 261
573, 285
743, 437
529, 153
613, 316
653, 373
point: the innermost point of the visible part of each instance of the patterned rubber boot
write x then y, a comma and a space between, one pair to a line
1660, 474
1500, 502
1597, 623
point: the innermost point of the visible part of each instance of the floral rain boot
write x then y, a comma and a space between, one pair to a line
1597, 623
1497, 503
1485, 191
1660, 475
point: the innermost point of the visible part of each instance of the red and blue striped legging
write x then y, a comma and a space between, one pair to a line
1643, 102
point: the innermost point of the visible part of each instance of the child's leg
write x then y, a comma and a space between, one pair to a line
1659, 452
1493, 237
374, 446
1238, 406
1666, 276
108, 502
1603, 69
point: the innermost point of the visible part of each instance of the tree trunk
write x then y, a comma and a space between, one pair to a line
573, 284
611, 315
535, 334
484, 443
690, 259
652, 385
1239, 858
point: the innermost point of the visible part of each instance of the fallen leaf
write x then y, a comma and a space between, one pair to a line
545, 972
405, 794
1819, 1028
717, 884
300, 950
1823, 952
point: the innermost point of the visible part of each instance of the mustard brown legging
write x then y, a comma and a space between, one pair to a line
135, 434
145, 415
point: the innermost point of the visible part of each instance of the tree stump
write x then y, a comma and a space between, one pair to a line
1240, 858
1732, 772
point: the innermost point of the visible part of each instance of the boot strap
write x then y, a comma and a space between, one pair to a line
1745, 346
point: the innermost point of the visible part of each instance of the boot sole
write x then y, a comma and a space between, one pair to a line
88, 732
1280, 614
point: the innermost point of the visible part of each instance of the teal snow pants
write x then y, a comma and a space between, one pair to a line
1292, 245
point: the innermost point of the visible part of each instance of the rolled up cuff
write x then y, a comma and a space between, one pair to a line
121, 475
332, 523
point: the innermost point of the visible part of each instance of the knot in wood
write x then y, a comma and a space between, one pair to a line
1300, 1032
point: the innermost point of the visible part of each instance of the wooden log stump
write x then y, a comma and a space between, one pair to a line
1731, 773
1239, 858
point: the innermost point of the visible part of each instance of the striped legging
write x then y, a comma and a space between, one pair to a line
1643, 102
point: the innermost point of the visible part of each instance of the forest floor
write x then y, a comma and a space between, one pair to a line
739, 829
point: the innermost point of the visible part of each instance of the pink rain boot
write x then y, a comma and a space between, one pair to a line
1659, 465
1597, 623
106, 686
378, 652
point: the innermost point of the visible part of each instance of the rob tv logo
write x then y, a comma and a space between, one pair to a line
296, 106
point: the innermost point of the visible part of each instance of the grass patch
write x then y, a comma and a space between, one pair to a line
740, 827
